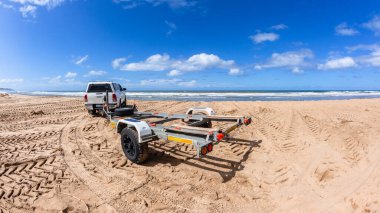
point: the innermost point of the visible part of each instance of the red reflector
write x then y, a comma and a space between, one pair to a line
152, 124
247, 121
204, 150
209, 147
85, 98
219, 136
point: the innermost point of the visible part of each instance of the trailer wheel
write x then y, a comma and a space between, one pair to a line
135, 151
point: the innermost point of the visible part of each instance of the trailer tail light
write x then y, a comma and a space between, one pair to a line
85, 98
219, 136
210, 147
204, 150
247, 121
114, 98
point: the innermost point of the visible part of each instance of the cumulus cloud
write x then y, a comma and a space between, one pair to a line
279, 27
292, 60
163, 62
339, 63
174, 73
28, 8
116, 63
95, 73
168, 82
71, 75
235, 71
80, 60
370, 54
173, 4
263, 37
28, 11
374, 25
11, 80
62, 80
344, 30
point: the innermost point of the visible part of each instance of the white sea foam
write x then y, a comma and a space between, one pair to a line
233, 95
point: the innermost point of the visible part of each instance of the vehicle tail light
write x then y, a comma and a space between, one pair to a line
85, 98
210, 147
114, 98
204, 150
219, 136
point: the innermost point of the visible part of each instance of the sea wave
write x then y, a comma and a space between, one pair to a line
228, 95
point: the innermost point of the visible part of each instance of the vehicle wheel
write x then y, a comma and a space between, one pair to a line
91, 112
124, 111
135, 151
124, 103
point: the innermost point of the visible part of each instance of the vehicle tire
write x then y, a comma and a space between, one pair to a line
124, 111
133, 150
124, 103
92, 112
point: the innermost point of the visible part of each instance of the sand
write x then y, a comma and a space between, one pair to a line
312, 156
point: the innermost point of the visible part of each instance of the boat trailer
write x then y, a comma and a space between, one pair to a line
194, 129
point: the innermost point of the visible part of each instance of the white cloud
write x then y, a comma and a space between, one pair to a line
370, 57
173, 4
59, 80
279, 27
28, 8
42, 3
339, 63
163, 62
172, 27
374, 25
191, 83
168, 82
11, 80
293, 60
116, 63
297, 70
174, 73
6, 6
28, 11
54, 80
95, 73
235, 71
71, 75
344, 30
81, 59
262, 37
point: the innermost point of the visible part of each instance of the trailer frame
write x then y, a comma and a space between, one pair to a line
193, 133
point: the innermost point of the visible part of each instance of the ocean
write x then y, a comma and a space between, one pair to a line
228, 95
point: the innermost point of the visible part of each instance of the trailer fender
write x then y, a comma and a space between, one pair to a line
141, 127
200, 110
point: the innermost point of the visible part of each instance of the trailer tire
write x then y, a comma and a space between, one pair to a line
133, 150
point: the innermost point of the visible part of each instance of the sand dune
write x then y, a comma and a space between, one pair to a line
313, 156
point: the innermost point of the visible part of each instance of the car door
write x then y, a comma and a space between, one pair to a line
123, 95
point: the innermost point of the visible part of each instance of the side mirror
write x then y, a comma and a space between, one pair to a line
124, 89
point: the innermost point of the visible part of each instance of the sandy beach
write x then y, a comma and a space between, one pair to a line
306, 156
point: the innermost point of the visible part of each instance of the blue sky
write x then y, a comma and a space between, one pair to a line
190, 44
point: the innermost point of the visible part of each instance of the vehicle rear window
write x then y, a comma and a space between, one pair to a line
99, 88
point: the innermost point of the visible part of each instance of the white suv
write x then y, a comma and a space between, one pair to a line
96, 92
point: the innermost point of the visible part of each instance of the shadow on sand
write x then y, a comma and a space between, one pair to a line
237, 152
